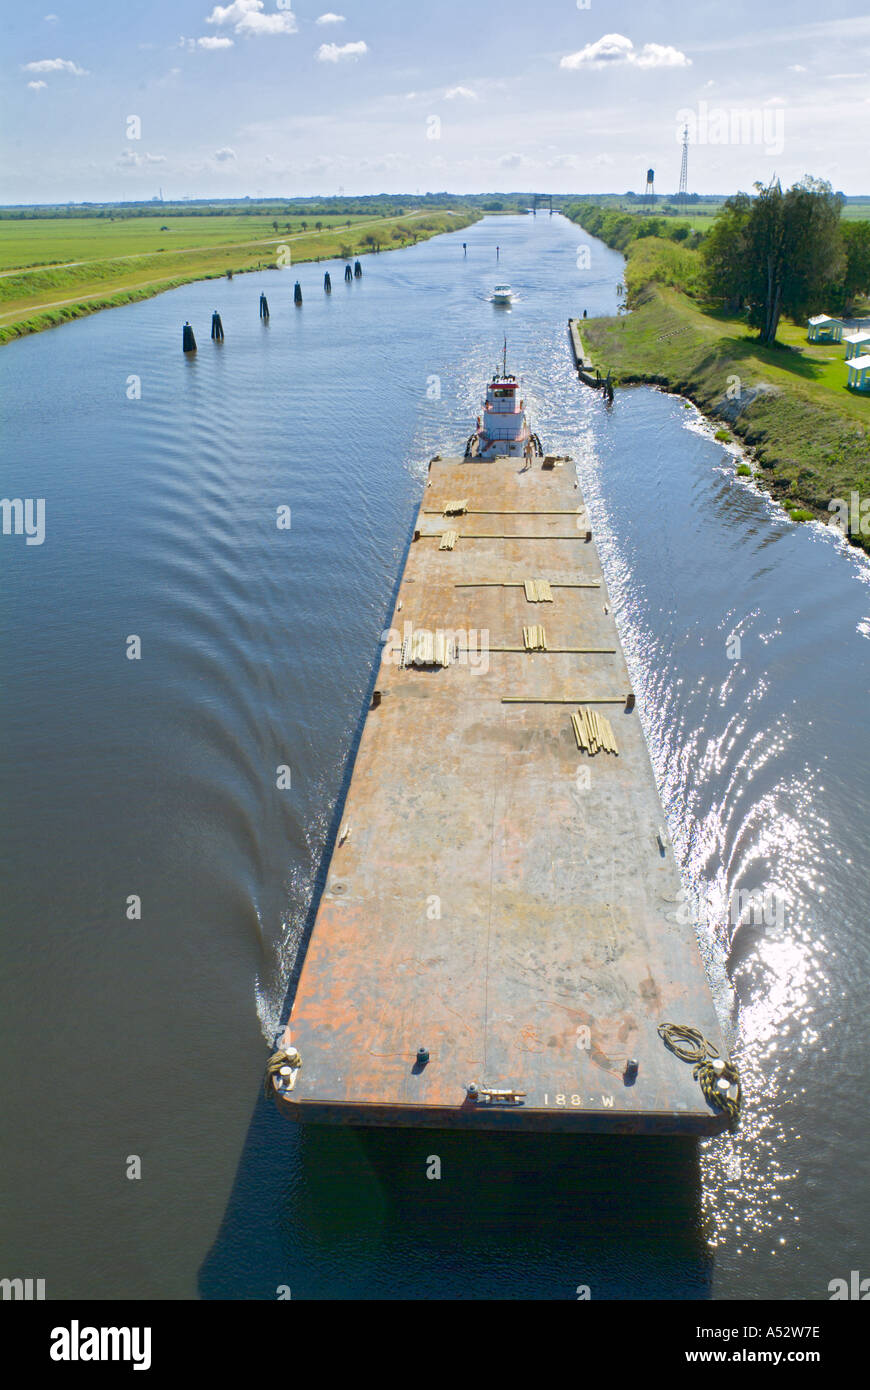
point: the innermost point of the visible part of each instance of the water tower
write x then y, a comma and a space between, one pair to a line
650, 194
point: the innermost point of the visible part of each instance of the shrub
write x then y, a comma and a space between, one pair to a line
744, 471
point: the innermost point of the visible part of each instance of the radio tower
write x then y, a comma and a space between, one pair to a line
683, 194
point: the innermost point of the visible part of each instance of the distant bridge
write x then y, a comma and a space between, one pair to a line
541, 198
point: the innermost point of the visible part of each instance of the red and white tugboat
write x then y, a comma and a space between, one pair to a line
504, 429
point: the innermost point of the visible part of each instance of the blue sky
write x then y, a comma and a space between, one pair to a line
254, 97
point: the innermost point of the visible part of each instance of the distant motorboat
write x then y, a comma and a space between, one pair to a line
502, 294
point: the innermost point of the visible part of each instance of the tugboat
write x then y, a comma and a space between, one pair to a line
504, 429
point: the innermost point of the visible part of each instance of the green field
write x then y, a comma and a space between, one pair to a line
46, 241
55, 269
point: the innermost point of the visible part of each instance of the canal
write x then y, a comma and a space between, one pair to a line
158, 882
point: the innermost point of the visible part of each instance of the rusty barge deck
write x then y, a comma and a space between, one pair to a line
497, 896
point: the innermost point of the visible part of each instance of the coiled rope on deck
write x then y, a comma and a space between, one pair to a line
709, 1067
278, 1060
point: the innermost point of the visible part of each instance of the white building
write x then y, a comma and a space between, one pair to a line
857, 343
823, 329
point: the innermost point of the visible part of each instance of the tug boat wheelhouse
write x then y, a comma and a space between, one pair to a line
503, 430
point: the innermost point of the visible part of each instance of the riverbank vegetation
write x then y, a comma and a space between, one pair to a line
721, 318
56, 269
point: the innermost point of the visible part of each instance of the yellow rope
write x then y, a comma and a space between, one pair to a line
709, 1069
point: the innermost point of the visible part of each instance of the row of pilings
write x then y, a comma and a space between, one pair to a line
188, 339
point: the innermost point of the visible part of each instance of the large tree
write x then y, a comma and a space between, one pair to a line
793, 251
778, 252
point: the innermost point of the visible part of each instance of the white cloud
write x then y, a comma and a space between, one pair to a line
55, 65
330, 18
797, 67
661, 55
35, 86
615, 50
466, 92
612, 48
511, 161
225, 155
332, 52
211, 41
247, 17
49, 19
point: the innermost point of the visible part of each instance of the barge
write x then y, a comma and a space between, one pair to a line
501, 932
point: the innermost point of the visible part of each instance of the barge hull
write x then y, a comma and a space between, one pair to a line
498, 897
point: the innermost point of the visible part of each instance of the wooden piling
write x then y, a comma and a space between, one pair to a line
264, 307
297, 293
217, 328
188, 342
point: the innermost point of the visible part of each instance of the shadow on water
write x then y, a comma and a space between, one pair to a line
351, 1213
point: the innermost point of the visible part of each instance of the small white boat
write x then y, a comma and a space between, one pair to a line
502, 294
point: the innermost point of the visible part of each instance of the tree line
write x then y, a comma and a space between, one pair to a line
766, 254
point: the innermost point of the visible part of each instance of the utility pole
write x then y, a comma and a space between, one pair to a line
683, 195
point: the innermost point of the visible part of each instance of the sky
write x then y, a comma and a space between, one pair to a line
106, 100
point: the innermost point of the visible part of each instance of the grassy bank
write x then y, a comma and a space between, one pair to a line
50, 272
809, 437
